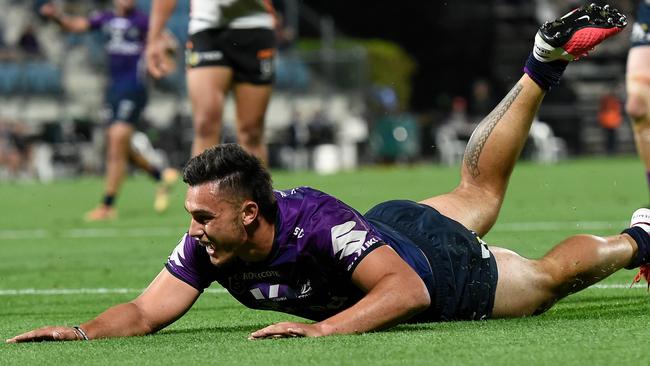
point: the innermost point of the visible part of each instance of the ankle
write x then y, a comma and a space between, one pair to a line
108, 201
545, 74
642, 240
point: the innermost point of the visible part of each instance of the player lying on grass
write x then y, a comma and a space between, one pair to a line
303, 252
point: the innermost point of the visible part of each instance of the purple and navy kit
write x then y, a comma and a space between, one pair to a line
640, 35
318, 243
125, 47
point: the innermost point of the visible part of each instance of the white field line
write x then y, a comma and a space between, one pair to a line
103, 291
77, 233
92, 233
83, 291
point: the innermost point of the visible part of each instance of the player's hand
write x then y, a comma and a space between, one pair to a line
287, 330
46, 334
160, 54
49, 10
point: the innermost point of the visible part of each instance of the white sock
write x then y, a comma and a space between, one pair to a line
641, 218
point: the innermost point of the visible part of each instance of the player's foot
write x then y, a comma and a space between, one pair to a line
577, 33
101, 213
168, 177
641, 218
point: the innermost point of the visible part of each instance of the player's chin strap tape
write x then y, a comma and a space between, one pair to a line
80, 333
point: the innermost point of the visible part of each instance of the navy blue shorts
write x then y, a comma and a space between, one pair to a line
641, 27
125, 106
464, 271
250, 53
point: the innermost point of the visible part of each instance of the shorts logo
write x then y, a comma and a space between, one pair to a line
266, 68
193, 58
125, 109
640, 33
485, 252
265, 53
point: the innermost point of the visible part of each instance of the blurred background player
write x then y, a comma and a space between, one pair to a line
638, 83
231, 44
126, 95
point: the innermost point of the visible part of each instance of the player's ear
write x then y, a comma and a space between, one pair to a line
249, 213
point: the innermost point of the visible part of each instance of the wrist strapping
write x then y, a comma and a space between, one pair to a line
80, 332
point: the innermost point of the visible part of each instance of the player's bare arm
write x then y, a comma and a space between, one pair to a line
76, 24
163, 302
394, 293
157, 42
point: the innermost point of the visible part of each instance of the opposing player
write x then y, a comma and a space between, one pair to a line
231, 45
126, 97
304, 252
638, 83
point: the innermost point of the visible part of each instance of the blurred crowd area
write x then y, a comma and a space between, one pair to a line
338, 101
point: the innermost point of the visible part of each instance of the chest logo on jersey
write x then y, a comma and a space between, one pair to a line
237, 282
346, 241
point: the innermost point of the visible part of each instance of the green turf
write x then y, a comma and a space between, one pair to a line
44, 244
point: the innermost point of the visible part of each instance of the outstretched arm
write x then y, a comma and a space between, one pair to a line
394, 293
69, 23
165, 300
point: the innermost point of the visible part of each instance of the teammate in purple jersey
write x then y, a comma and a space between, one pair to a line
304, 252
125, 29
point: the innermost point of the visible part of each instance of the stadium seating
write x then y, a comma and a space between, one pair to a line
31, 78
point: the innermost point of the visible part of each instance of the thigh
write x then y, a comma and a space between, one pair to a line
207, 87
119, 136
474, 208
252, 101
522, 287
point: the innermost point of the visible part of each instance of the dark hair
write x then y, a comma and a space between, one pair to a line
237, 172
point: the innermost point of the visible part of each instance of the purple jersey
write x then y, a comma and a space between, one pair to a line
125, 46
318, 243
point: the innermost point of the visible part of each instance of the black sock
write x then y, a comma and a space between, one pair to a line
155, 174
545, 74
642, 239
108, 200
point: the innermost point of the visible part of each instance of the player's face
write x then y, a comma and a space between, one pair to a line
217, 222
124, 4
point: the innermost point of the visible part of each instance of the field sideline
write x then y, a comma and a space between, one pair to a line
56, 269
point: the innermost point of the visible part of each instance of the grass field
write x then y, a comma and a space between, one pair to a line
56, 269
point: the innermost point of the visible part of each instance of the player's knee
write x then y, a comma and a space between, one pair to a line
553, 277
119, 136
636, 108
206, 125
250, 135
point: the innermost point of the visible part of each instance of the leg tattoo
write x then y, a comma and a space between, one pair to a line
485, 128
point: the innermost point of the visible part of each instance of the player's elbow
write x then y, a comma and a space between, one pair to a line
417, 299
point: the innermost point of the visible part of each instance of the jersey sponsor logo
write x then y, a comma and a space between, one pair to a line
259, 275
178, 253
305, 289
346, 241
